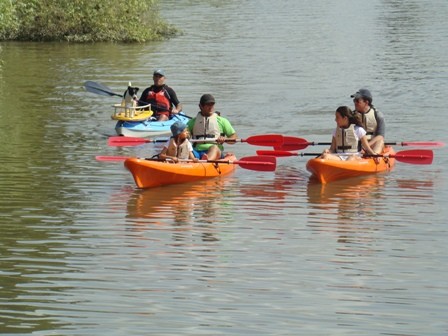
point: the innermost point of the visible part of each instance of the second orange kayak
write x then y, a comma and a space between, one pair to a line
149, 174
332, 170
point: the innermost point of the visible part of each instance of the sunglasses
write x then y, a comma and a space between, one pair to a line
357, 100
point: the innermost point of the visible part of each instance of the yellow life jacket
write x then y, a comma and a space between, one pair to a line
346, 140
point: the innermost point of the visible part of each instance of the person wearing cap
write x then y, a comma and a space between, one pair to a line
178, 147
209, 125
163, 99
372, 119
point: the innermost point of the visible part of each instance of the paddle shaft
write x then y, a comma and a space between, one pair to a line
294, 143
407, 143
415, 156
256, 140
258, 163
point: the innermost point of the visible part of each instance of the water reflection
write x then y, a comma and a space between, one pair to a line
353, 207
352, 196
181, 208
275, 188
347, 208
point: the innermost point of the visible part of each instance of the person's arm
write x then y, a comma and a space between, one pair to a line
190, 152
332, 148
163, 156
228, 131
172, 96
192, 157
142, 101
380, 124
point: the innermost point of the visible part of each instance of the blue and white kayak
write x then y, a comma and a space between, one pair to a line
148, 127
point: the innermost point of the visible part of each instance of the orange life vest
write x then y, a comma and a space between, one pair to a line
158, 100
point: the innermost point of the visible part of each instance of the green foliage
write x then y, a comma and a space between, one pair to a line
82, 21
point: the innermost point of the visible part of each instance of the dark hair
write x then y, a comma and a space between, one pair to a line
353, 117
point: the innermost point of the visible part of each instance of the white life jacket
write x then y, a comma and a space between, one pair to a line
206, 127
180, 151
346, 140
369, 122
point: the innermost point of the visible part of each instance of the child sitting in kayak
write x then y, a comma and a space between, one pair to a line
178, 147
349, 137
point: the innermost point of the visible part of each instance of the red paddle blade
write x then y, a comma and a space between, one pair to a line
422, 143
125, 141
276, 153
264, 140
292, 143
111, 158
259, 163
418, 156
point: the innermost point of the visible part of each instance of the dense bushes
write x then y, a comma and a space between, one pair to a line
82, 20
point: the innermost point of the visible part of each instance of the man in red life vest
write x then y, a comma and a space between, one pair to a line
163, 99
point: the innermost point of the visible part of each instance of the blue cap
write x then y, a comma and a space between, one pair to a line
160, 72
177, 128
362, 93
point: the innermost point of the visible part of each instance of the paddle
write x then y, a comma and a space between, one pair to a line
103, 90
414, 156
256, 140
100, 89
294, 143
258, 163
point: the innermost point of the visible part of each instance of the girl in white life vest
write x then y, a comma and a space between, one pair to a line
178, 146
349, 137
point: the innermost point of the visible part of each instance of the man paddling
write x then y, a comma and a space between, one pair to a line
209, 125
372, 119
163, 99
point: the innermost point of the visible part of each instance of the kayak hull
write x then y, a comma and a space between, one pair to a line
150, 174
148, 128
326, 171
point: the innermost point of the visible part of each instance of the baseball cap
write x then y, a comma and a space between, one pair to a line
160, 72
207, 98
177, 128
362, 93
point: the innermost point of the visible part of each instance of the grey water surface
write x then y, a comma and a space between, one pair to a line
84, 252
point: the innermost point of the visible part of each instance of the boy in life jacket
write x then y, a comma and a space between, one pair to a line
349, 137
178, 147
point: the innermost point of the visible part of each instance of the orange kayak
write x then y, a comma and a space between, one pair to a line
149, 174
332, 170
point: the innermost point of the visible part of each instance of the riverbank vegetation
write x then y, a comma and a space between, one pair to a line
83, 21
